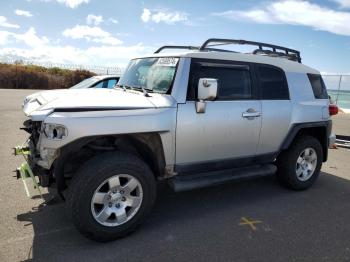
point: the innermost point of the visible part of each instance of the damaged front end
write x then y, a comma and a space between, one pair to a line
29, 169
24, 172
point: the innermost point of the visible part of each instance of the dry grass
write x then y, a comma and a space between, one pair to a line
20, 76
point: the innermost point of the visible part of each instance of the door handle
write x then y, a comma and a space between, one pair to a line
251, 113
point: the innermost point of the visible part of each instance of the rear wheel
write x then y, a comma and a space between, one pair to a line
299, 166
111, 195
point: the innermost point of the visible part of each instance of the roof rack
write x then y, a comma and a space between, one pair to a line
288, 53
176, 47
190, 48
274, 51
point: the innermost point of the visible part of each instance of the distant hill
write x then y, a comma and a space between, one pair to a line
19, 76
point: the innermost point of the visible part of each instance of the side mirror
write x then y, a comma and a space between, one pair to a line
207, 91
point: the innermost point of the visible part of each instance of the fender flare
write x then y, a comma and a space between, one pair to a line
296, 128
74, 147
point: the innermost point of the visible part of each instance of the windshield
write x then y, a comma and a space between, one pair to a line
85, 83
153, 74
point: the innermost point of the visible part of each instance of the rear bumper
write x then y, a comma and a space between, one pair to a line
331, 140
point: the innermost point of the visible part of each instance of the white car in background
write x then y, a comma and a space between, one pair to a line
100, 81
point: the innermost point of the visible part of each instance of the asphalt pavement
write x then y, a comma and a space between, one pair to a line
256, 220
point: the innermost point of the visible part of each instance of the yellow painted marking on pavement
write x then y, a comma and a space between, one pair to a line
250, 223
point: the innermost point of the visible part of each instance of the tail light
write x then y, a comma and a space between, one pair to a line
333, 109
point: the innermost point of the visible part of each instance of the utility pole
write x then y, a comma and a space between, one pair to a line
16, 75
336, 101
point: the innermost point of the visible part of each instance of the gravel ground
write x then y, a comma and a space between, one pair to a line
199, 225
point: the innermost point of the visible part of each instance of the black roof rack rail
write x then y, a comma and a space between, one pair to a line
288, 53
189, 47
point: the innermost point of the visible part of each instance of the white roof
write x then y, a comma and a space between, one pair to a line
285, 64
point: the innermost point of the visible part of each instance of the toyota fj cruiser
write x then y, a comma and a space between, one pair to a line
197, 118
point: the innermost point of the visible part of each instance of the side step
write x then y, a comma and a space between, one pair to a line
185, 182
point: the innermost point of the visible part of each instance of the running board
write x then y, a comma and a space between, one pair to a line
185, 182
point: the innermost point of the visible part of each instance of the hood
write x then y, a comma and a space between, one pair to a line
44, 96
94, 99
47, 96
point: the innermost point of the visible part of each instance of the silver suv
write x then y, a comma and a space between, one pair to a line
197, 118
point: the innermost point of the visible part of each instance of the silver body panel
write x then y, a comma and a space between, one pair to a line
85, 124
305, 108
275, 124
219, 133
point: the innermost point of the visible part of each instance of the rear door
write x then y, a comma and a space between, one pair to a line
276, 108
229, 129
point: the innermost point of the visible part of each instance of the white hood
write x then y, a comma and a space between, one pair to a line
94, 98
47, 96
50, 94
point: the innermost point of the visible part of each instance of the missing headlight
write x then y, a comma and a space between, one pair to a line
54, 131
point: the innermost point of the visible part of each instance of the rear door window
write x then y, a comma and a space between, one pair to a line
272, 82
318, 86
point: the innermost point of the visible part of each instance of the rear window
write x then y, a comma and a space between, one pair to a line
318, 86
273, 84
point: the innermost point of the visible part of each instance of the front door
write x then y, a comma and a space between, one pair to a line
228, 131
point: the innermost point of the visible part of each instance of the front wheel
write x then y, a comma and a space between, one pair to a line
111, 195
299, 166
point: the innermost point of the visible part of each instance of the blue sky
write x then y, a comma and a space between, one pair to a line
110, 32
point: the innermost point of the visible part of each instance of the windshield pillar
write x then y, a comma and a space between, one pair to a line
179, 91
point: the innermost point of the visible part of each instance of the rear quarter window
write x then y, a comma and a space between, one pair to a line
318, 86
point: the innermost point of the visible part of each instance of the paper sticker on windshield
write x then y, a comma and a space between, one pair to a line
167, 61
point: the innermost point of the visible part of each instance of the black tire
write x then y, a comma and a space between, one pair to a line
87, 180
286, 163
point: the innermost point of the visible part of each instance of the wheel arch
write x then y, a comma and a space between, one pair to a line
319, 130
147, 146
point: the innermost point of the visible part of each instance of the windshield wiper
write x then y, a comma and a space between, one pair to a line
138, 88
125, 87
144, 90
121, 86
